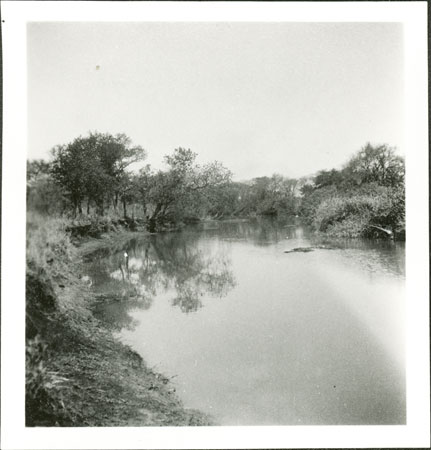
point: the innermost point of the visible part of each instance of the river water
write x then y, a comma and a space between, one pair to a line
255, 336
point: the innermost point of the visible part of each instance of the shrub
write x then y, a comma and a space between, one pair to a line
356, 213
311, 201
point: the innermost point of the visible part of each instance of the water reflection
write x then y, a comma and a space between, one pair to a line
383, 256
300, 338
260, 231
375, 256
130, 277
115, 313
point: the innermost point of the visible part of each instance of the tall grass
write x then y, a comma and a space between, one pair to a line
48, 242
55, 313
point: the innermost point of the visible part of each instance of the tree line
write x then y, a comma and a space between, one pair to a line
94, 176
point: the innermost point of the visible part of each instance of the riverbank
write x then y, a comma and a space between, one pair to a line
77, 373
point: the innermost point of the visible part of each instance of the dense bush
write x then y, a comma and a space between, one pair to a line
365, 198
311, 202
361, 213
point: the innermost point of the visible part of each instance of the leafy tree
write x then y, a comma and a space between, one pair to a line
270, 195
182, 188
94, 168
332, 177
378, 164
312, 198
43, 195
36, 168
126, 190
142, 183
223, 201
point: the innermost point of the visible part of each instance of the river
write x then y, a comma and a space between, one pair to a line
255, 336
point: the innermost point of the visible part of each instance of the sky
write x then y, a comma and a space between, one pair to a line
262, 98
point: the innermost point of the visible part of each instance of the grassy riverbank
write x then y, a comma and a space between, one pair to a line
77, 374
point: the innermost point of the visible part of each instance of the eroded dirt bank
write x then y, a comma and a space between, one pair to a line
78, 374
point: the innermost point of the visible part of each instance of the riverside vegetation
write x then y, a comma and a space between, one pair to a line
91, 194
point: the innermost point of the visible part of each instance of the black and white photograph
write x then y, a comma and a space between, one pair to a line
212, 230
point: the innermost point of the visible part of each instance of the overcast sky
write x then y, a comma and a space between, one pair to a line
262, 98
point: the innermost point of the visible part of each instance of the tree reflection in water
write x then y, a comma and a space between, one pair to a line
191, 271
260, 231
193, 265
171, 263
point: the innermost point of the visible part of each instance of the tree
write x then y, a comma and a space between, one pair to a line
36, 168
43, 194
182, 189
327, 178
270, 195
94, 168
223, 201
142, 187
127, 190
378, 164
